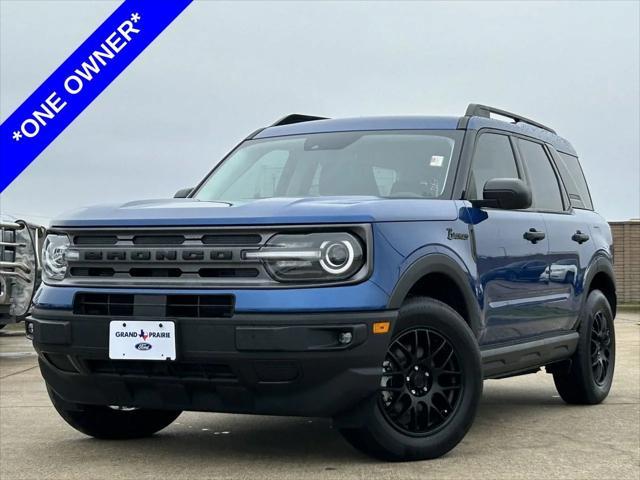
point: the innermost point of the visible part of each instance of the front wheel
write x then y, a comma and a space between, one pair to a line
430, 387
112, 423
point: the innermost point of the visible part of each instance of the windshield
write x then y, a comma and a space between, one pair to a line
400, 164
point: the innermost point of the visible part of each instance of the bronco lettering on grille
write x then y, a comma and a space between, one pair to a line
156, 256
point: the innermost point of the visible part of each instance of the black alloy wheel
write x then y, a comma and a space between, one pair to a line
600, 347
429, 390
422, 382
587, 377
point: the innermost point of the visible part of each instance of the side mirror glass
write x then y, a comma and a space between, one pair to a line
505, 193
183, 193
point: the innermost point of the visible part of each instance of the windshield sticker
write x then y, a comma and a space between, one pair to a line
436, 160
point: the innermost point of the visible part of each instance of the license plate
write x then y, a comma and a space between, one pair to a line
142, 340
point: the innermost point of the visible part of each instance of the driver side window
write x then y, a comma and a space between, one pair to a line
493, 158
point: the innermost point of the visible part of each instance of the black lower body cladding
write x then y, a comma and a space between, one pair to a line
278, 364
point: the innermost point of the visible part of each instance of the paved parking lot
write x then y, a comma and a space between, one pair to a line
523, 430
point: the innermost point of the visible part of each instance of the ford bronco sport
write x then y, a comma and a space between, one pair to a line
371, 270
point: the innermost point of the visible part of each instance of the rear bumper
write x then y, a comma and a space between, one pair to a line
277, 364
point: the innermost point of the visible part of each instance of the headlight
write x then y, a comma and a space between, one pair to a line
54, 257
313, 257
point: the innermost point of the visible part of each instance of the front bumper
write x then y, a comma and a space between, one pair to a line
263, 363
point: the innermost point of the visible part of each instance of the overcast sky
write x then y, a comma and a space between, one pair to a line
223, 69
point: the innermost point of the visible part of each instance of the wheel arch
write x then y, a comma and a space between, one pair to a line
600, 276
441, 270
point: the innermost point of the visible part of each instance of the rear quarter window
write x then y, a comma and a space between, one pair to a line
574, 181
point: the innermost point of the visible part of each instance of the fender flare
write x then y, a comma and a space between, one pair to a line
443, 264
600, 264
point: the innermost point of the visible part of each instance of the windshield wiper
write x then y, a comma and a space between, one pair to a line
229, 204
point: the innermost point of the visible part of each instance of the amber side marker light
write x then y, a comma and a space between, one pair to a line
381, 327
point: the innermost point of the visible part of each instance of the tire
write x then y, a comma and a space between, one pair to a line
589, 378
429, 426
108, 423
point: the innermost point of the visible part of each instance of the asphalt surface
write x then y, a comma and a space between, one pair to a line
523, 430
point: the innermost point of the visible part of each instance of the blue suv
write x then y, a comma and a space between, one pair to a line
371, 270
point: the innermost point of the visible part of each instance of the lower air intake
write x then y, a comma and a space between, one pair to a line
168, 306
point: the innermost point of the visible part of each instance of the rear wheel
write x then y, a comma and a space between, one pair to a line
112, 422
590, 375
429, 390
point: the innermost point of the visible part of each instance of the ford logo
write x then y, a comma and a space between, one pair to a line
143, 346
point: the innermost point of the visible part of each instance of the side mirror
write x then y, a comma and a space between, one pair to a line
183, 193
505, 193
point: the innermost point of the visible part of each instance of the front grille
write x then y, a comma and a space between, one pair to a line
167, 257
95, 239
164, 272
184, 257
170, 239
91, 272
231, 239
229, 272
182, 370
169, 306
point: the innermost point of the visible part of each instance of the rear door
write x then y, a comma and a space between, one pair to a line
512, 270
567, 234
578, 229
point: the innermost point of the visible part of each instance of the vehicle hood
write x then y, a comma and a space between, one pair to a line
176, 212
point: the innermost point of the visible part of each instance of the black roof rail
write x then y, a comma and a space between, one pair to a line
296, 118
477, 110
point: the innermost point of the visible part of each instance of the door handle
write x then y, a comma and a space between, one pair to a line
580, 237
533, 235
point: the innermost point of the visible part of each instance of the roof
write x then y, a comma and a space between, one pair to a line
413, 123
362, 123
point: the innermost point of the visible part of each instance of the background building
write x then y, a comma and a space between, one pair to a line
626, 241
